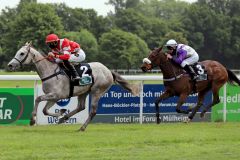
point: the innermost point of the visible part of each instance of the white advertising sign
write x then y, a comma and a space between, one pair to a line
68, 104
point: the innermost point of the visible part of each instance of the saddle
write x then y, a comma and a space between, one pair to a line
201, 71
84, 71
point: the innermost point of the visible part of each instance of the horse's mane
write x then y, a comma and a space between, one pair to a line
42, 52
178, 68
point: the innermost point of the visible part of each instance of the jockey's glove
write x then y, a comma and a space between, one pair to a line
50, 54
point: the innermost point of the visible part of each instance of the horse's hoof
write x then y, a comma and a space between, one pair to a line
188, 120
158, 121
62, 120
81, 129
201, 115
62, 111
32, 122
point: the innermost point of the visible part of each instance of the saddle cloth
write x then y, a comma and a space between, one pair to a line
84, 71
201, 71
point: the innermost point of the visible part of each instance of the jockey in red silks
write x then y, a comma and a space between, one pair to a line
183, 55
65, 51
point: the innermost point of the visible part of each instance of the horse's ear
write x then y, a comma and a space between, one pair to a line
28, 43
159, 49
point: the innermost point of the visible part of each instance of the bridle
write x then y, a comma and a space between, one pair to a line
24, 59
163, 64
44, 57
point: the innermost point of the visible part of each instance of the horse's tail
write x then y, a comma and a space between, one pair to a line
232, 78
133, 88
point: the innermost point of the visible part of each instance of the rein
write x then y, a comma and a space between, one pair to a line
173, 79
175, 76
24, 59
40, 60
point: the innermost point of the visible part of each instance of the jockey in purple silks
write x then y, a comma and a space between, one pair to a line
183, 55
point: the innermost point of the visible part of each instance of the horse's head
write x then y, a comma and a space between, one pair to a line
23, 56
155, 58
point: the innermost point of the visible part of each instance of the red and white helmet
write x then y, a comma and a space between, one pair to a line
51, 38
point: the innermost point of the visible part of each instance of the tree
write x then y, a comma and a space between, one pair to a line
87, 41
178, 36
6, 17
72, 19
119, 49
164, 9
75, 19
118, 4
148, 29
32, 23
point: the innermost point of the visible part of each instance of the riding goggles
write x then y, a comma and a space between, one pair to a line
52, 44
170, 48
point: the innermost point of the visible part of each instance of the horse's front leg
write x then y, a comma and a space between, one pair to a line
34, 113
199, 104
94, 105
80, 107
216, 100
164, 96
181, 100
48, 97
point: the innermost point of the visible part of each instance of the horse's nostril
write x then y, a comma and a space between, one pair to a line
9, 66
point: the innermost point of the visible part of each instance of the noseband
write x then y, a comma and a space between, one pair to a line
163, 64
24, 59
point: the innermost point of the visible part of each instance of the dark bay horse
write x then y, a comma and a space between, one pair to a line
177, 83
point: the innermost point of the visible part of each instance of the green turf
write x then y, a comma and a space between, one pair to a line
195, 141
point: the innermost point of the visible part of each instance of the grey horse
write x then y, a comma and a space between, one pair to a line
57, 86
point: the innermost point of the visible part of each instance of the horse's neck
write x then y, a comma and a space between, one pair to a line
43, 66
170, 70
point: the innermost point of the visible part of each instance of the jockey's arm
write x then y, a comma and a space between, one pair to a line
64, 56
181, 55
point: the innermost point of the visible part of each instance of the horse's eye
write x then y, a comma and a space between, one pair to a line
21, 54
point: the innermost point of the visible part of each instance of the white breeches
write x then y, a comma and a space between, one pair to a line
190, 60
78, 57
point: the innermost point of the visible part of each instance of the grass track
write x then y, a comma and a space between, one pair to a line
195, 141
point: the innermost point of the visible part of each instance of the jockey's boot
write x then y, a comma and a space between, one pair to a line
72, 70
191, 72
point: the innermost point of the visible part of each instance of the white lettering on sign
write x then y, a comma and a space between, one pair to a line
231, 98
6, 114
118, 119
2, 101
116, 95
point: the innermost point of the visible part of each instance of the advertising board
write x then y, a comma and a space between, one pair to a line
16, 105
69, 104
233, 105
120, 106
